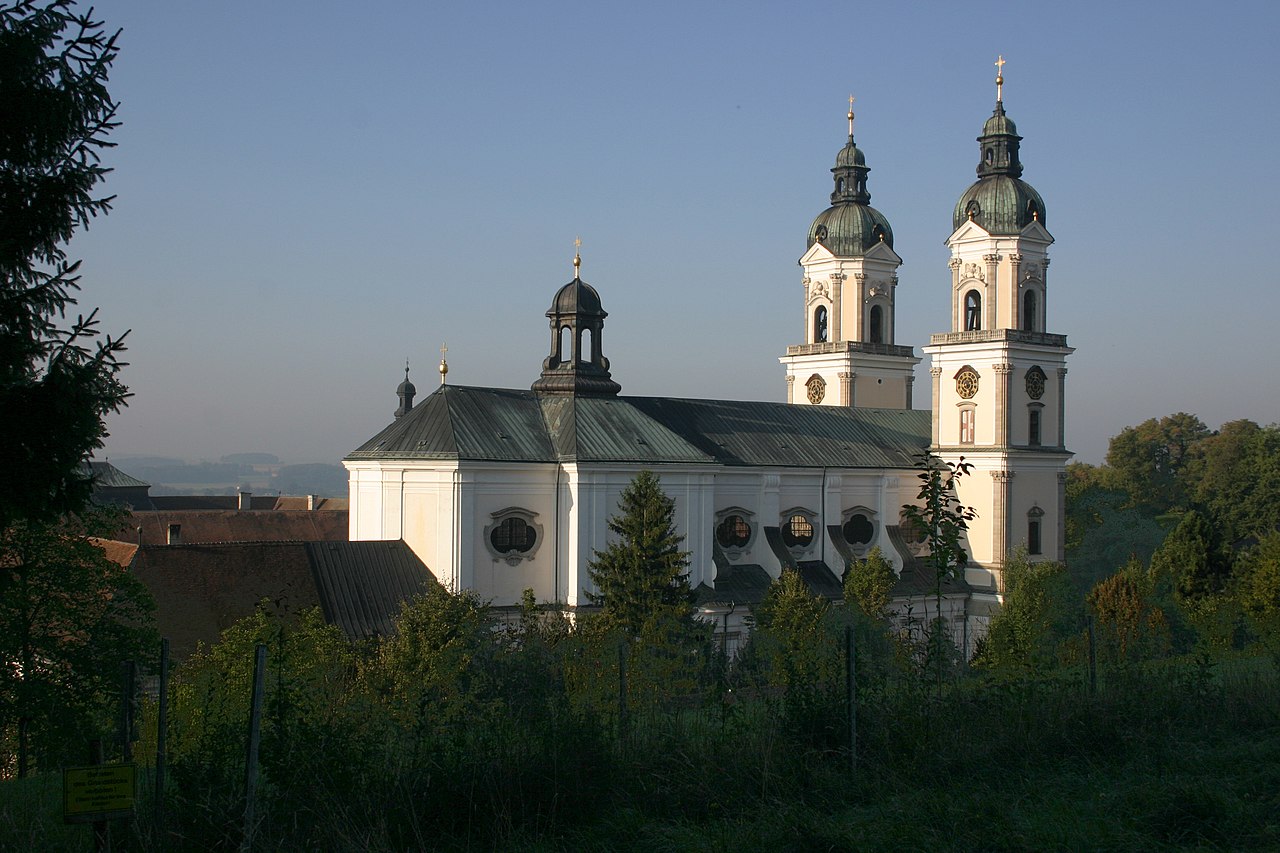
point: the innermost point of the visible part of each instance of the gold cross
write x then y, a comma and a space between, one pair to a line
999, 63
851, 100
444, 348
577, 255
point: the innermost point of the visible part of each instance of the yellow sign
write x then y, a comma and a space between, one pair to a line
99, 792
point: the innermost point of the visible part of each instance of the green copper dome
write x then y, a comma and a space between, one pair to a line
1000, 204
851, 226
1000, 201
849, 230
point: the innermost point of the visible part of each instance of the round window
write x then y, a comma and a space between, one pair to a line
513, 536
797, 532
733, 532
858, 530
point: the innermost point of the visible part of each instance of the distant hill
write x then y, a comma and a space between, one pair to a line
260, 473
250, 459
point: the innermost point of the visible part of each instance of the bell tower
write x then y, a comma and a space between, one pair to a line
999, 375
849, 356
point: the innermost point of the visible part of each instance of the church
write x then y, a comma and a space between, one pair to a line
499, 490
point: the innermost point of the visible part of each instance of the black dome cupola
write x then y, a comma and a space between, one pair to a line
850, 171
576, 364
999, 140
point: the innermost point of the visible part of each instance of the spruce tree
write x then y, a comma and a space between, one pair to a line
643, 573
57, 379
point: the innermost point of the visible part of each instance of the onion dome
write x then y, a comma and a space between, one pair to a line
1000, 201
851, 226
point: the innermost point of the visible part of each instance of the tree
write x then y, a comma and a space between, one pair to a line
943, 520
643, 571
57, 381
1234, 477
869, 584
1147, 461
1130, 627
1259, 592
1034, 616
69, 617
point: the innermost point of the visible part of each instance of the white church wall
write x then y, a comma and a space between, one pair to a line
527, 491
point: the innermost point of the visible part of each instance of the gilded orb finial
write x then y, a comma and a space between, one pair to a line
444, 365
577, 256
1000, 63
851, 100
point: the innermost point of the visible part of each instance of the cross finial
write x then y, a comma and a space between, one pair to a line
1000, 63
444, 365
851, 100
577, 255
406, 370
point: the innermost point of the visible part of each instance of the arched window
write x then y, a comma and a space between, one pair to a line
584, 344
839, 185
972, 311
1029, 311
990, 156
1033, 425
966, 425
820, 325
877, 325
564, 352
1034, 517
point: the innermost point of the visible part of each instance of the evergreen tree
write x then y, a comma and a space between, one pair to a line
56, 382
643, 572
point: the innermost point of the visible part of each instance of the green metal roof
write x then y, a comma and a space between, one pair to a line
466, 423
1000, 204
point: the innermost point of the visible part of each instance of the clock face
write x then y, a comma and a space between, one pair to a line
1035, 383
967, 383
817, 388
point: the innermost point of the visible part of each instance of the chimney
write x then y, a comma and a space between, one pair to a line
311, 502
175, 534
246, 500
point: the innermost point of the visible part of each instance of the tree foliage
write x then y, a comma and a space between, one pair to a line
69, 617
1259, 592
1036, 615
1129, 626
869, 582
57, 380
643, 571
1147, 461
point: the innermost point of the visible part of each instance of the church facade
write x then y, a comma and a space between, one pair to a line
502, 490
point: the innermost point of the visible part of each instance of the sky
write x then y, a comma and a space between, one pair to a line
308, 194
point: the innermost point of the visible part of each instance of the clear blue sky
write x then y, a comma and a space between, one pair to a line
310, 193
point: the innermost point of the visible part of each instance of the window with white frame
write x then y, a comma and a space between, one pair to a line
513, 535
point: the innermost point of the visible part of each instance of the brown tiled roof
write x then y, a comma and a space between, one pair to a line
210, 526
200, 590
120, 553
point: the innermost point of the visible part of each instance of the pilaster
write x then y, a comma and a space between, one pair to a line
1001, 500
1004, 390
